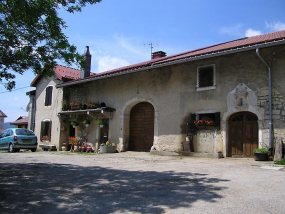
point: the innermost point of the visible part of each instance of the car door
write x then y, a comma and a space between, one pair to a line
3, 138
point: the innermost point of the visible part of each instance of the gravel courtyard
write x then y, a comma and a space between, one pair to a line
134, 182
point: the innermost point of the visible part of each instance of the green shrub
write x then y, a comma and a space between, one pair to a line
261, 150
282, 162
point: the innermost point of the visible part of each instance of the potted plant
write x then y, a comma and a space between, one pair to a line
45, 138
86, 122
74, 124
62, 128
64, 146
64, 105
100, 123
73, 140
108, 147
261, 154
74, 105
91, 105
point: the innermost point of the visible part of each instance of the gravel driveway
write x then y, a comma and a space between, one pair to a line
133, 182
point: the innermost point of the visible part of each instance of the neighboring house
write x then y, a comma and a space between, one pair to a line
21, 122
45, 103
2, 121
155, 105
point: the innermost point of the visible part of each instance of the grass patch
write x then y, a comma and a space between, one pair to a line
282, 162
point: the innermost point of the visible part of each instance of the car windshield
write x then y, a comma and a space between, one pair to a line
24, 132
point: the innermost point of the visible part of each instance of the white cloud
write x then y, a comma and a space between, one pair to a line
233, 30
107, 63
250, 32
276, 26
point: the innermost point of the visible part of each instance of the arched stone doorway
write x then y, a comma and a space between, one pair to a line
243, 134
141, 127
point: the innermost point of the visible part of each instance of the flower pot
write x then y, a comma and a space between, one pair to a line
101, 126
87, 125
107, 149
261, 156
64, 148
74, 107
74, 126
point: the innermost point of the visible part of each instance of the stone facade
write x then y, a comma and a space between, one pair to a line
241, 86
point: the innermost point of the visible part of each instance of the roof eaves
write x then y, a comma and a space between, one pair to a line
162, 62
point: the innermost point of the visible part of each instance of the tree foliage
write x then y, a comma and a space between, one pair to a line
31, 37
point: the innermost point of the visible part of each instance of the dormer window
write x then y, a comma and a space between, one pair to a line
206, 78
48, 98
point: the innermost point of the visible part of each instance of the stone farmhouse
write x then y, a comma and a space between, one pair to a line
218, 101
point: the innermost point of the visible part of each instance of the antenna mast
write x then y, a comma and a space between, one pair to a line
151, 47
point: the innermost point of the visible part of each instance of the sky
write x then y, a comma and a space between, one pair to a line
119, 33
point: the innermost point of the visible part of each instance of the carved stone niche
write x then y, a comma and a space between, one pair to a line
241, 98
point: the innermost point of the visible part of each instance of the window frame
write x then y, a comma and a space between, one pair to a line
48, 96
214, 78
46, 131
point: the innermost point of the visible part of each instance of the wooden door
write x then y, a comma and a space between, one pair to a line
104, 132
141, 127
243, 134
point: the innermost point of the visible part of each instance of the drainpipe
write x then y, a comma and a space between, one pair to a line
270, 97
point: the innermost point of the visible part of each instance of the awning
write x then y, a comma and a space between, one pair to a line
103, 112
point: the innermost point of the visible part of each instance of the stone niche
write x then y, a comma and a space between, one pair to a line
241, 98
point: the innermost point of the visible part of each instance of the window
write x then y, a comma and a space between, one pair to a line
214, 117
206, 78
48, 98
46, 129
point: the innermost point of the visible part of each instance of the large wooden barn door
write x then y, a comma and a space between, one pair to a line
243, 134
141, 127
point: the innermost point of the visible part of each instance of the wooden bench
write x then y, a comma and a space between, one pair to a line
48, 147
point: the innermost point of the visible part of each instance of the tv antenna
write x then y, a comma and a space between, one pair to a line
151, 47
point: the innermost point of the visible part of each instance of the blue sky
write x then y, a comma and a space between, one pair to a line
119, 33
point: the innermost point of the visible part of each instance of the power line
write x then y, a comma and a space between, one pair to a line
14, 90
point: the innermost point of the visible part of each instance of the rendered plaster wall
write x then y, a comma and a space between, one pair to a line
48, 113
172, 91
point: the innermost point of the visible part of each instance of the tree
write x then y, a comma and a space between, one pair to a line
31, 37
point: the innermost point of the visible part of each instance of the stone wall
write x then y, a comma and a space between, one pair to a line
173, 93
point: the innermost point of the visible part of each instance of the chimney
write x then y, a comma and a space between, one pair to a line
87, 56
158, 54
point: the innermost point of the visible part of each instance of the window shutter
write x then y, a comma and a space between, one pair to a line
217, 120
193, 119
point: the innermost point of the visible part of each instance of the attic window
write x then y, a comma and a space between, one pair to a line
206, 79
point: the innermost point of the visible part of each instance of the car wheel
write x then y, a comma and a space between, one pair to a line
33, 150
11, 148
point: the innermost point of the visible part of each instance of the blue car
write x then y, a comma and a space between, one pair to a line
15, 139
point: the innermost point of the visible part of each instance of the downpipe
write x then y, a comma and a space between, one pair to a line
269, 97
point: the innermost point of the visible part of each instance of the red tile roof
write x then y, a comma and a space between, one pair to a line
240, 44
61, 72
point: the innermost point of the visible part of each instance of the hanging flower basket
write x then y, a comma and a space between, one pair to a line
74, 124
100, 123
86, 122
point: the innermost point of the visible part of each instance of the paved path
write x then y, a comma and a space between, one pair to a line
132, 182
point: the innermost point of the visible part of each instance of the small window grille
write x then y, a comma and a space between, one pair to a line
206, 77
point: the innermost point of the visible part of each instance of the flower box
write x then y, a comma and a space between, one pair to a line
107, 149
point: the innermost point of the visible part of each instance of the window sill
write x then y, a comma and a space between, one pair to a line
206, 88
